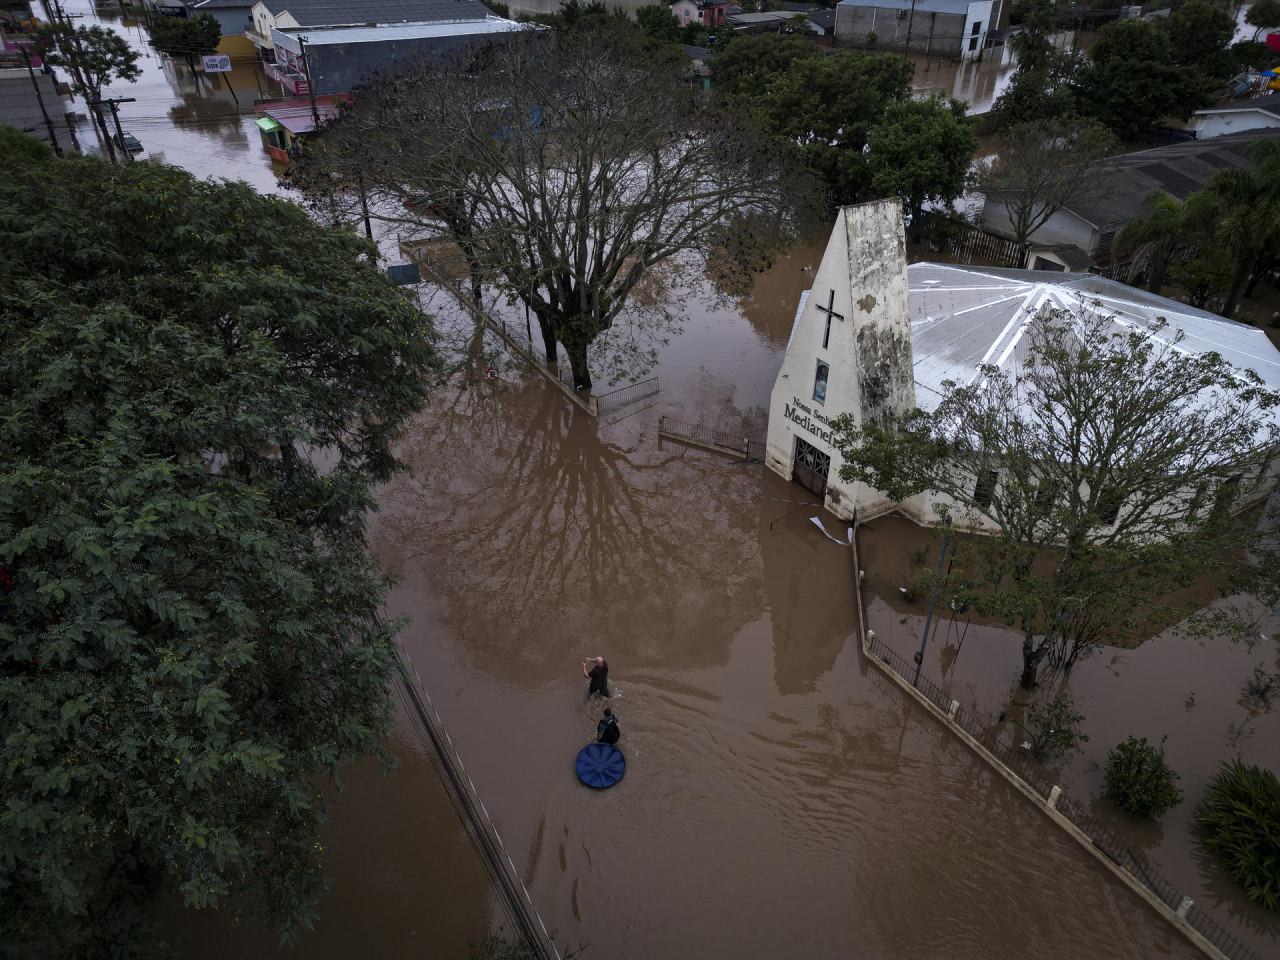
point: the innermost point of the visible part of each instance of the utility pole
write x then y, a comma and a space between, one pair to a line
311, 87
73, 63
113, 103
48, 124
910, 23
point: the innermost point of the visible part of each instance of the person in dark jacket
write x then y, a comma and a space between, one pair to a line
598, 675
607, 729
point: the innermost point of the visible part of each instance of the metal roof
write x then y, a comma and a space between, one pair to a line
316, 13
330, 36
964, 316
920, 6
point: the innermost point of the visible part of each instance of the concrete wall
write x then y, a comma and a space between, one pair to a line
868, 352
940, 34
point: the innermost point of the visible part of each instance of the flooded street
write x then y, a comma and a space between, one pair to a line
782, 798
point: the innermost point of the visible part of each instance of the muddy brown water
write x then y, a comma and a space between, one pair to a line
781, 799
1179, 685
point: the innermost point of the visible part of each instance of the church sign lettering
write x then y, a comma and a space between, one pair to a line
808, 420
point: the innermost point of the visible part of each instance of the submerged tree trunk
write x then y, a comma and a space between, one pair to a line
548, 340
1159, 267
577, 353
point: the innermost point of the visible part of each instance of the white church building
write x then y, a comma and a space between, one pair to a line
875, 337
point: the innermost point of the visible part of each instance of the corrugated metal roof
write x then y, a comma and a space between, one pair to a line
314, 13
404, 31
962, 317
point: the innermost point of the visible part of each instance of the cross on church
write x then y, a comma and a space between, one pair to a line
829, 310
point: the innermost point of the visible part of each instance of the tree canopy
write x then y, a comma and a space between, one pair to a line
186, 38
1107, 469
921, 150
95, 57
200, 387
573, 169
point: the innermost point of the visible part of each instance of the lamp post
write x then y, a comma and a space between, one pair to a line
919, 657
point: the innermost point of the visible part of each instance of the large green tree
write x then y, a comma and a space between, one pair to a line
186, 38
1133, 81
95, 57
1106, 469
746, 67
827, 106
1167, 226
921, 150
658, 22
199, 387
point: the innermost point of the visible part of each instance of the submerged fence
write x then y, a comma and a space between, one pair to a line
708, 438
1024, 768
963, 242
611, 403
512, 895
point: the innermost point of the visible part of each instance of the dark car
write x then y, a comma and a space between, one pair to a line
129, 142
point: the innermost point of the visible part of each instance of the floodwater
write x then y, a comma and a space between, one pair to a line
781, 799
1189, 688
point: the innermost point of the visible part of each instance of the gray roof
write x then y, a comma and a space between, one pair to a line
696, 53
1179, 169
317, 13
1070, 254
824, 18
920, 6
222, 4
1269, 103
963, 316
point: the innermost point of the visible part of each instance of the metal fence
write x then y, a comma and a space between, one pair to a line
709, 438
615, 400
513, 896
1023, 766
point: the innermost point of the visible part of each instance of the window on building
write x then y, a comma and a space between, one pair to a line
820, 382
985, 489
973, 44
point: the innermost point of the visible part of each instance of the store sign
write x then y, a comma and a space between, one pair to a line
217, 63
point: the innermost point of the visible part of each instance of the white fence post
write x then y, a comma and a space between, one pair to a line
1053, 797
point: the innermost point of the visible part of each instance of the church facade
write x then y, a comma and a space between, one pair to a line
849, 352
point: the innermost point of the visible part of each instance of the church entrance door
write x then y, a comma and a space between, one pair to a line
810, 467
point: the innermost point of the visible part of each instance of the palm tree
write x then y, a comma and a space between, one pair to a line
1169, 225
1247, 207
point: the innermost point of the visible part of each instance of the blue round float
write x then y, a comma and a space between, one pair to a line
600, 765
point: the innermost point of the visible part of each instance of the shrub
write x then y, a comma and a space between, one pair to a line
1139, 781
1241, 818
1052, 728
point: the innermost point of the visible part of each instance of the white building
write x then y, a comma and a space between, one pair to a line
875, 337
1238, 116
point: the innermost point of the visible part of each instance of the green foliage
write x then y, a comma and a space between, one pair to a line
746, 67
19, 149
1198, 37
694, 34
826, 106
921, 150
192, 646
1139, 781
94, 56
1240, 815
1133, 79
180, 37
1043, 94
659, 23
1052, 727
1263, 15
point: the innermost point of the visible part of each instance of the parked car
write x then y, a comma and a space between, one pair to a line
129, 142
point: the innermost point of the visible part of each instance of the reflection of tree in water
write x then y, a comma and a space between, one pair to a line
1223, 898
535, 527
770, 307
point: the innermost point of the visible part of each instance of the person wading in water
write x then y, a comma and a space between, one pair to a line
607, 729
598, 675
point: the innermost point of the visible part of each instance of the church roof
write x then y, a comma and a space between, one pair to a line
965, 316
